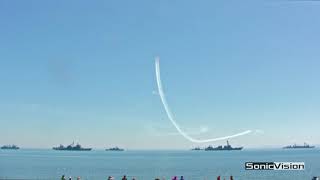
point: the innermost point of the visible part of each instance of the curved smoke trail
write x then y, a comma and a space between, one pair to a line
170, 116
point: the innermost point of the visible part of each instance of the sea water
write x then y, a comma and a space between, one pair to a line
146, 165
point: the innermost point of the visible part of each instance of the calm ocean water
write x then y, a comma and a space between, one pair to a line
94, 165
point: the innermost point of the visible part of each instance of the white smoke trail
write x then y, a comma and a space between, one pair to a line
163, 131
170, 116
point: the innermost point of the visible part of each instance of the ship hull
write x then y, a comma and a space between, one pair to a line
84, 149
10, 148
233, 149
311, 147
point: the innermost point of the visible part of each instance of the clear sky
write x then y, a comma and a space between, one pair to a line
84, 71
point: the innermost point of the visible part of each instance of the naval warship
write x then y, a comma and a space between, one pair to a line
14, 147
227, 147
304, 146
115, 149
71, 147
196, 149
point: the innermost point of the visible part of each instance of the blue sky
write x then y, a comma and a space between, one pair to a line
74, 70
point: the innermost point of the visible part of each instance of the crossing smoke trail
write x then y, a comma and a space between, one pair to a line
175, 124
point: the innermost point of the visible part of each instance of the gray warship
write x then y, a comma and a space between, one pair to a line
227, 147
115, 149
304, 146
13, 147
71, 147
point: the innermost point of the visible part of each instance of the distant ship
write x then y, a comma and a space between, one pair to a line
196, 149
304, 146
71, 147
228, 147
14, 147
115, 149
